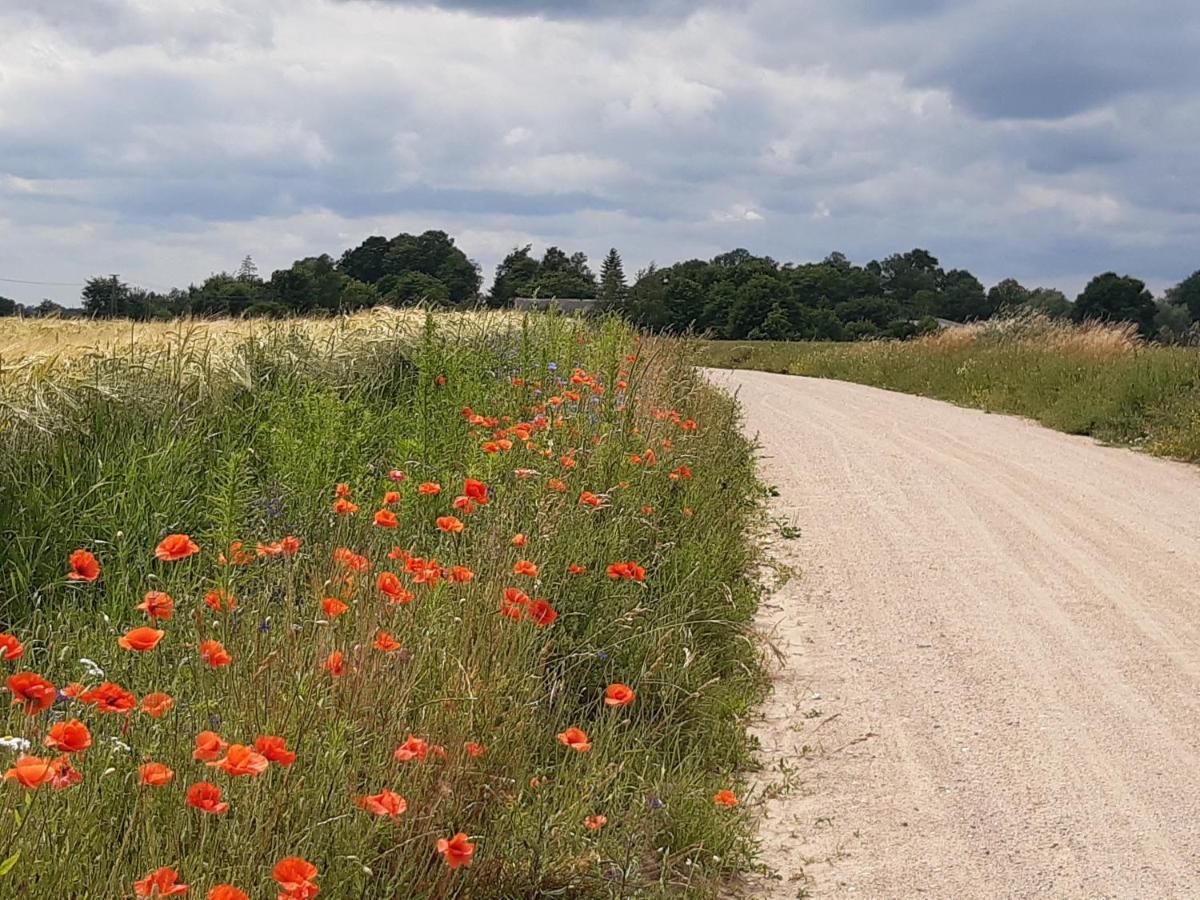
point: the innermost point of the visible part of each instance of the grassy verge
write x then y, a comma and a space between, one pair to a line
595, 450
1094, 380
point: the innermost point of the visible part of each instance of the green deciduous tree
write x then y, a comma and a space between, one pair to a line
1008, 294
415, 287
106, 297
514, 277
1116, 298
1186, 294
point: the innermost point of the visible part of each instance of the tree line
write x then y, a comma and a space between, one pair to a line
735, 295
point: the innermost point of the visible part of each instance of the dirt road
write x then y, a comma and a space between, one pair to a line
992, 643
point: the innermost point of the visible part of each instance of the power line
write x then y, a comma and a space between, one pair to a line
76, 284
45, 283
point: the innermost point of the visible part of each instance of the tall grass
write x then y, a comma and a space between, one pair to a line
245, 440
1094, 379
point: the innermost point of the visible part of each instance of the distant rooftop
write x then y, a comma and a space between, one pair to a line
566, 304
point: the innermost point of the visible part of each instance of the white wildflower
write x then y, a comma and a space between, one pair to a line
16, 744
92, 669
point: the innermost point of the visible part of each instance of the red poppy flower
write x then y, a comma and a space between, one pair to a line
461, 574
464, 505
68, 737
272, 549
31, 689
449, 524
74, 689
587, 498
237, 556
576, 739
595, 823
290, 545
541, 613
295, 878
335, 663
31, 772
141, 640
619, 695
206, 798
227, 892
344, 507
519, 540
430, 488
725, 798
385, 518
175, 547
476, 490
342, 490
385, 642
574, 569
628, 571
275, 749
515, 596
63, 774
525, 567
396, 475
10, 647
391, 497
157, 605
240, 760
427, 572
84, 566
351, 560
214, 654
218, 600
155, 774
333, 607
557, 485
392, 587
159, 883
458, 850
414, 748
109, 698
209, 746
157, 705
385, 803
474, 750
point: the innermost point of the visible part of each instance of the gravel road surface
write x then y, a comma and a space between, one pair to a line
991, 645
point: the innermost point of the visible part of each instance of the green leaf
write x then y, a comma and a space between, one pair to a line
7, 865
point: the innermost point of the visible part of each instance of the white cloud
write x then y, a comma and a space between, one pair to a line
165, 139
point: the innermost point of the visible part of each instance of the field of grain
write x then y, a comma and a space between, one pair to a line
395, 605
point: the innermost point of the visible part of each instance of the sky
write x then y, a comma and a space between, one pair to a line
1048, 140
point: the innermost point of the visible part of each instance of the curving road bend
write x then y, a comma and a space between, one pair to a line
991, 645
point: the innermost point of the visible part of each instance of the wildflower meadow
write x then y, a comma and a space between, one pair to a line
417, 608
